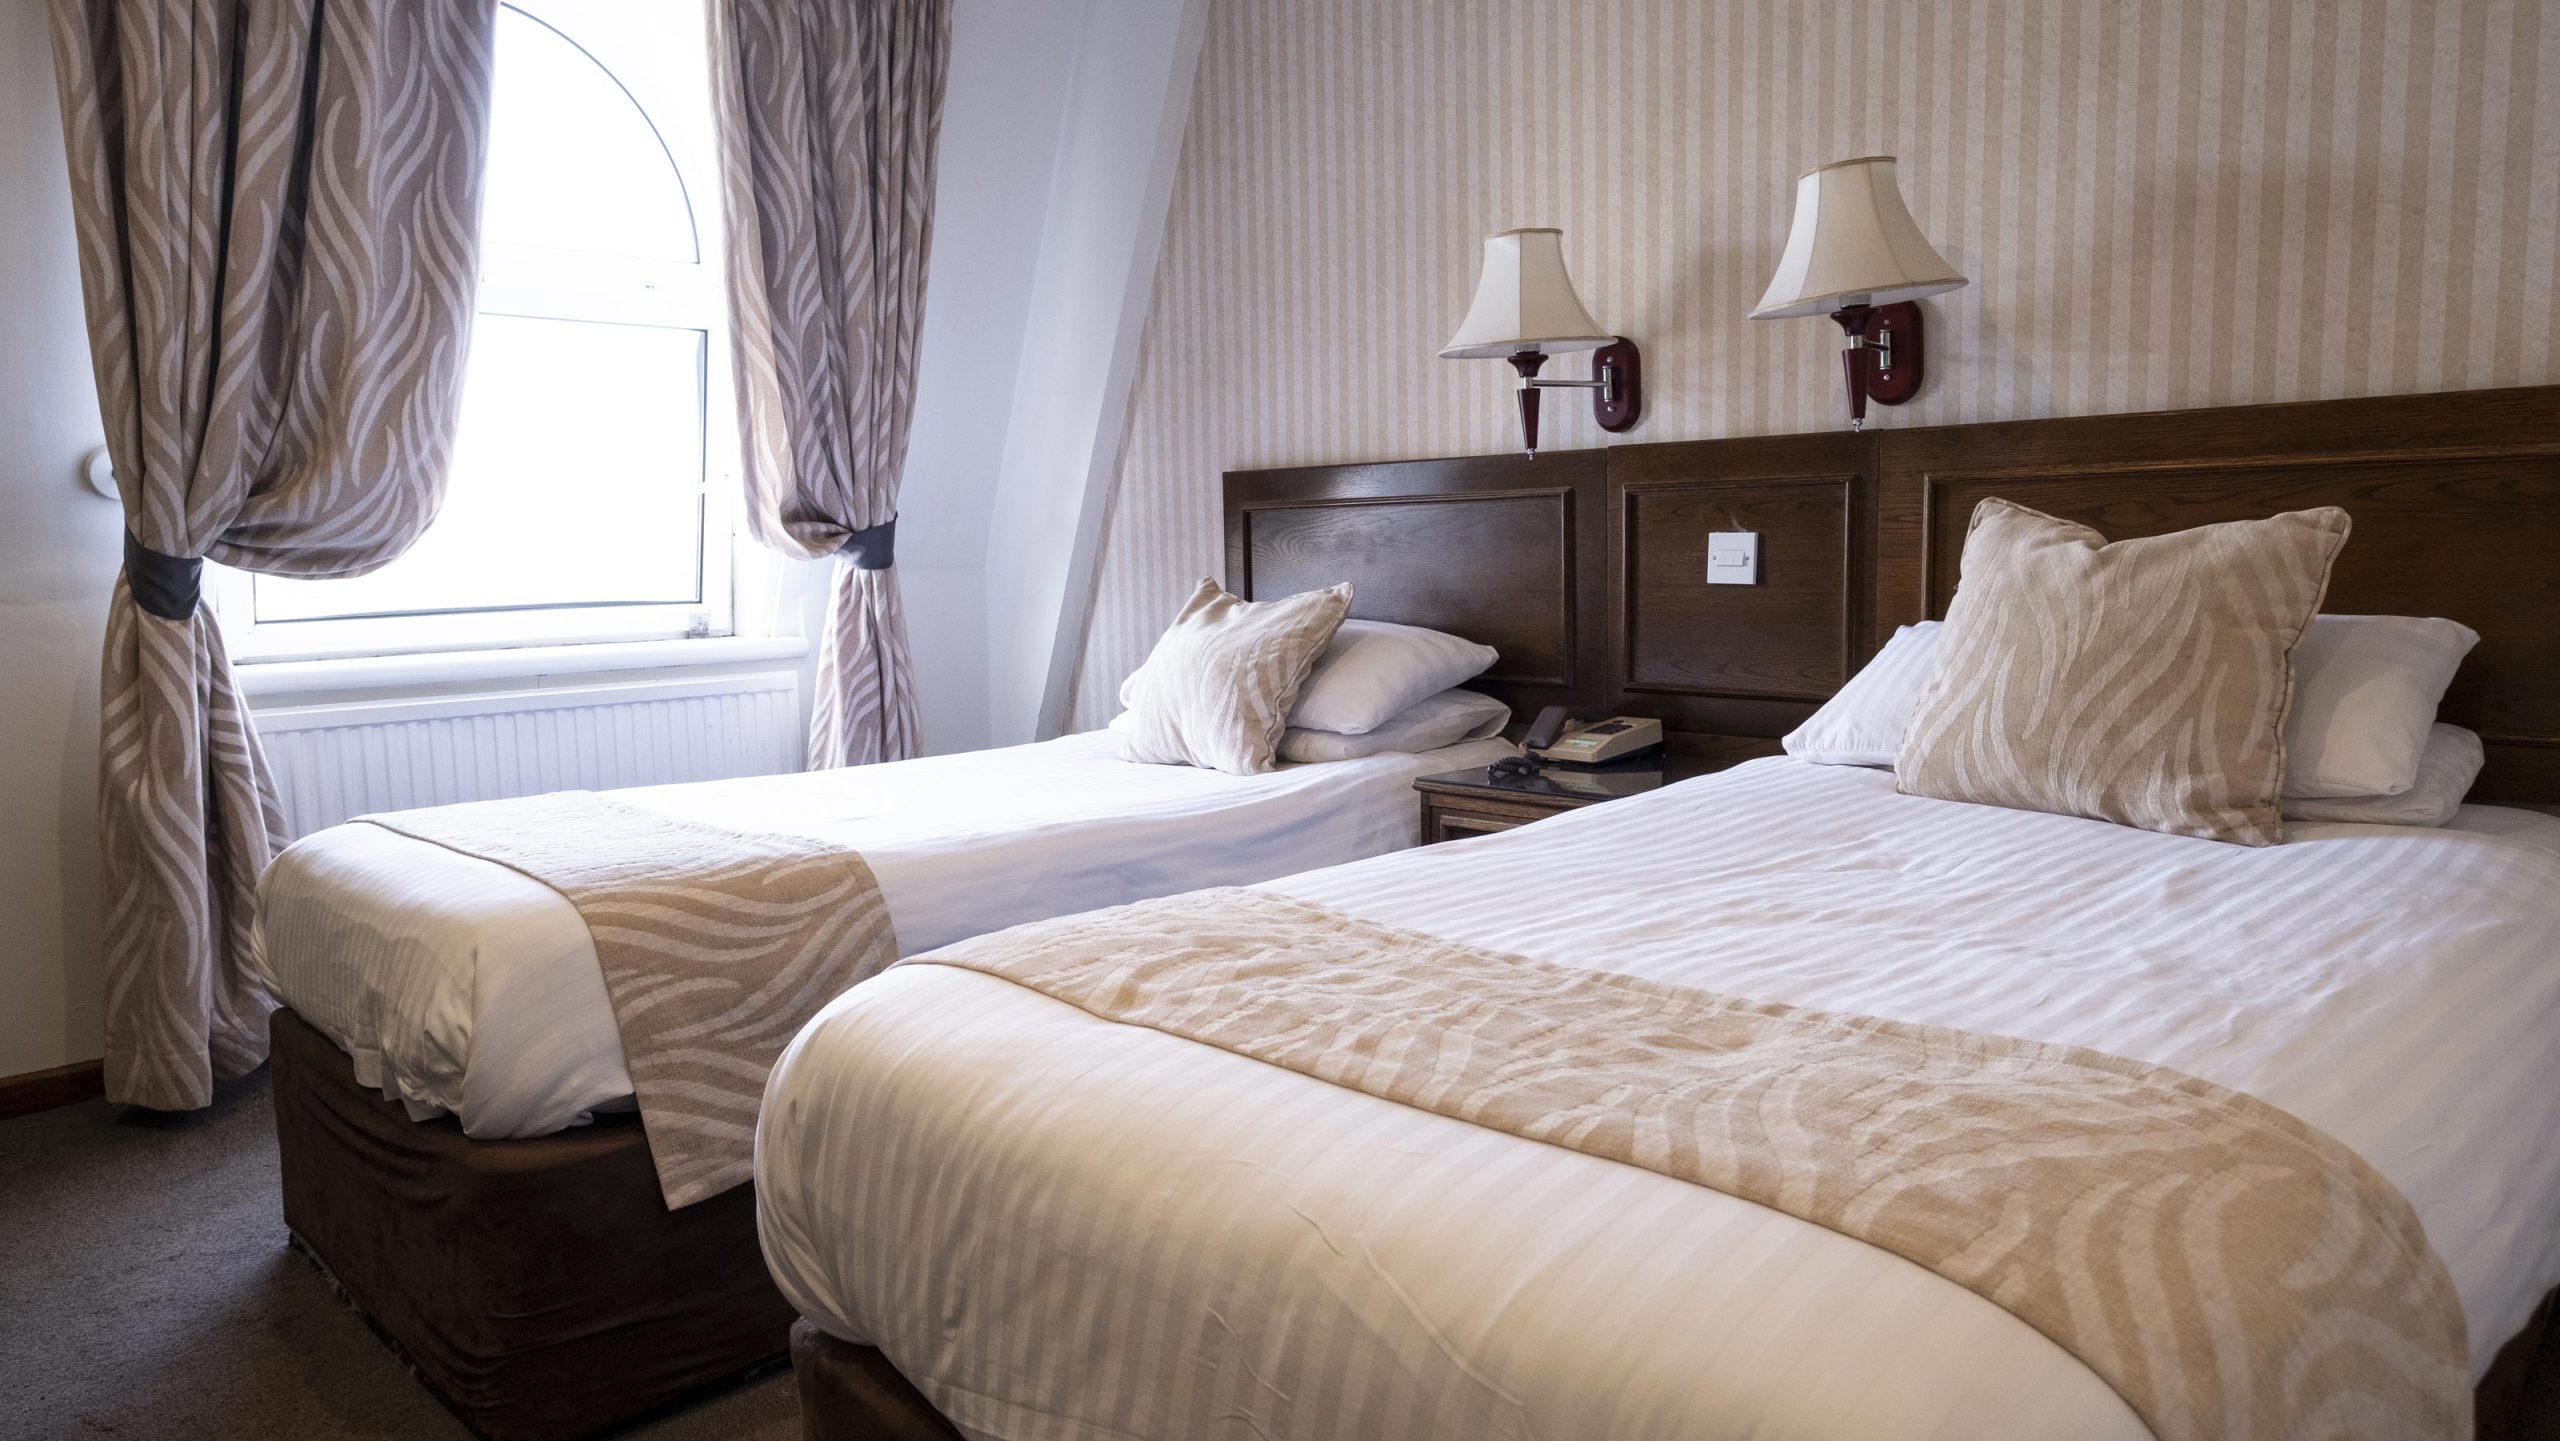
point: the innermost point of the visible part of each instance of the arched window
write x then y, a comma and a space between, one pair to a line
595, 471
576, 163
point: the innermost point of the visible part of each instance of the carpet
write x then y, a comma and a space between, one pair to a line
148, 1292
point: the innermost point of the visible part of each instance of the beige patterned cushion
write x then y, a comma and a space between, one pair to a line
1216, 690
2144, 682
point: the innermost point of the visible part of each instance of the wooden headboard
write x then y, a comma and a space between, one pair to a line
1586, 568
1501, 549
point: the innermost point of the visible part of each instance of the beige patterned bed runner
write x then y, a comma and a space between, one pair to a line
716, 947
2231, 1271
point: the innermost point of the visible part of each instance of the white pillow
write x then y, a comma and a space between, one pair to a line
1373, 671
1427, 725
1862, 724
2365, 691
2445, 773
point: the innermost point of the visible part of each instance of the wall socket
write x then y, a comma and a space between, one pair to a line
1733, 557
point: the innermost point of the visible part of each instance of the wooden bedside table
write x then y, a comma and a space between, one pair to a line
1464, 803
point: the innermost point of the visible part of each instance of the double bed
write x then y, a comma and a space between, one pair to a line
1056, 1225
1013, 1203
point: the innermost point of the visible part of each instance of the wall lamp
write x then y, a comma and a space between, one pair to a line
1855, 251
1525, 311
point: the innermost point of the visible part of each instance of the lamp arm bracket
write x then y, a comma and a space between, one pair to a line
1618, 376
1882, 345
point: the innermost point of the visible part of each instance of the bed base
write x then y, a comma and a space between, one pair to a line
852, 1393
540, 1288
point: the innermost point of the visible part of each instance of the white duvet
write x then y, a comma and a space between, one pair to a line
458, 985
1062, 1227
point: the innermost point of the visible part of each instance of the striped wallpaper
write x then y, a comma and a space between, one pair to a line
2160, 203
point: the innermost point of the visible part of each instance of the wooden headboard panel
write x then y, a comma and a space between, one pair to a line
2455, 499
1501, 549
1587, 567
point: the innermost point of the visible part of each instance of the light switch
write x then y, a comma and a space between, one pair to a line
1733, 557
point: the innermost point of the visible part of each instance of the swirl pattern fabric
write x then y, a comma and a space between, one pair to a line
2144, 682
2230, 1270
716, 947
277, 210
829, 116
1218, 688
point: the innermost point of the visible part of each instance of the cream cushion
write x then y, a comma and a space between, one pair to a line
2145, 682
2365, 692
1370, 673
1216, 690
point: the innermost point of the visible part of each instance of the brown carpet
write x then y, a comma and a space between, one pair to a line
146, 1291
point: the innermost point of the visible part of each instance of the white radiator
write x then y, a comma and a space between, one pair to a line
336, 761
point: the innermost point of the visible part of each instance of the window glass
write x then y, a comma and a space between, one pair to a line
574, 163
606, 511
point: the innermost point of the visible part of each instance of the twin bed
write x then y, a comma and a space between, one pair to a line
458, 986
1007, 1208
454, 1109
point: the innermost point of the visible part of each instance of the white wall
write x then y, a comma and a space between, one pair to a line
1011, 65
1059, 137
59, 548
1121, 137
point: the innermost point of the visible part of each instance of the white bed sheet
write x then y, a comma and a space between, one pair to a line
458, 985
1061, 1227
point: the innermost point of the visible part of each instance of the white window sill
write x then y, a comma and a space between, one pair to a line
384, 672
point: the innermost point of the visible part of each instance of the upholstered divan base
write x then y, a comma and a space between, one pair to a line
852, 1393
540, 1288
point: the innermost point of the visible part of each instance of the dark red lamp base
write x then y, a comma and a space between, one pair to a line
1881, 360
1616, 386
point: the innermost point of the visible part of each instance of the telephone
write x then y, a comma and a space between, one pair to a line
1588, 738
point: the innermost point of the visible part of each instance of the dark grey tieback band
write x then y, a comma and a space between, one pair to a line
167, 586
873, 549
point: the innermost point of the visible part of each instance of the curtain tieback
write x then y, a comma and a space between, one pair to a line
872, 549
167, 586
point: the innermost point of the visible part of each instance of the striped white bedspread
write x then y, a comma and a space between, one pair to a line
1061, 1227
457, 985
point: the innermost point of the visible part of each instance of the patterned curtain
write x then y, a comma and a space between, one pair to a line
829, 111
278, 213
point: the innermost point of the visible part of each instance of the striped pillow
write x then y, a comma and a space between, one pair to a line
2144, 682
1216, 690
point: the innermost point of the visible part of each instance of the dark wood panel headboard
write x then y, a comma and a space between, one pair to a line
1501, 549
1587, 567
2455, 499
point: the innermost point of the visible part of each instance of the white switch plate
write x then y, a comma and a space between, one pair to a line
1733, 557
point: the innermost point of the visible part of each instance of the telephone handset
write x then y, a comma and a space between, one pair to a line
1589, 737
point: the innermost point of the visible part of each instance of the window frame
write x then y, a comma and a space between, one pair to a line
589, 287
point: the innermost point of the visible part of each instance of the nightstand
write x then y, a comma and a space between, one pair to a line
1465, 803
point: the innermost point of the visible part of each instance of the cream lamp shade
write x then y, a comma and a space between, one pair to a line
1525, 301
1853, 242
